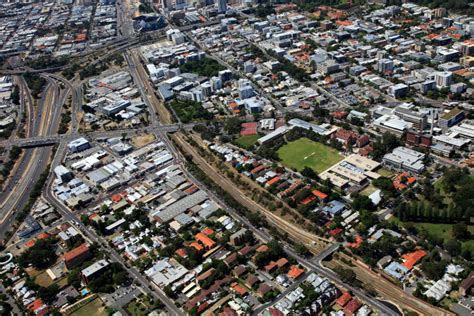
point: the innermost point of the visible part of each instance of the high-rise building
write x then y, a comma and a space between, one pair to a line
467, 49
222, 6
385, 65
443, 79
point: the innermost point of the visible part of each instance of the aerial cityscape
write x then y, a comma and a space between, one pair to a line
236, 157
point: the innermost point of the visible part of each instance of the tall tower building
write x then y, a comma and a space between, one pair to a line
222, 6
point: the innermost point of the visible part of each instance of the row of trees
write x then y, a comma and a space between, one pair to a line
420, 211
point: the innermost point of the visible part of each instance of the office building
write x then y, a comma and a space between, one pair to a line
402, 158
94, 270
451, 118
78, 145
222, 6
443, 79
399, 90
415, 138
419, 120
385, 65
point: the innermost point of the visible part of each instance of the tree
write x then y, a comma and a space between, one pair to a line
362, 202
48, 294
347, 275
15, 97
309, 173
74, 278
453, 247
41, 255
461, 231
232, 125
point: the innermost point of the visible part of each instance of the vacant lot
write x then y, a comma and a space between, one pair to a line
307, 153
142, 140
93, 308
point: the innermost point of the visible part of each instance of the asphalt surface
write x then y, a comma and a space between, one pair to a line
44, 121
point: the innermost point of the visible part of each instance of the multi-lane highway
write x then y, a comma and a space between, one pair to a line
42, 121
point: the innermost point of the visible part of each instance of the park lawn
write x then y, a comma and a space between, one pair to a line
93, 308
248, 141
443, 231
140, 306
307, 153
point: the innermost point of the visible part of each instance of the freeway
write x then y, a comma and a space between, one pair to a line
44, 122
76, 90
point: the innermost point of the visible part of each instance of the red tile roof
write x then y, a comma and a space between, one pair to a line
320, 195
257, 169
344, 299
206, 241
78, 251
357, 242
273, 180
335, 231
181, 252
410, 259
208, 231
295, 272
281, 262
262, 248
352, 306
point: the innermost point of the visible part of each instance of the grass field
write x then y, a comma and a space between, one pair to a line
93, 308
247, 142
443, 231
307, 153
385, 172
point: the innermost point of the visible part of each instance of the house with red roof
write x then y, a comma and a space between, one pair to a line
181, 252
356, 244
403, 181
336, 231
239, 289
272, 181
295, 272
207, 242
352, 307
37, 307
320, 195
308, 200
412, 258
208, 231
343, 299
256, 170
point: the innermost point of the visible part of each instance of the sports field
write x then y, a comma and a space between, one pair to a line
307, 153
